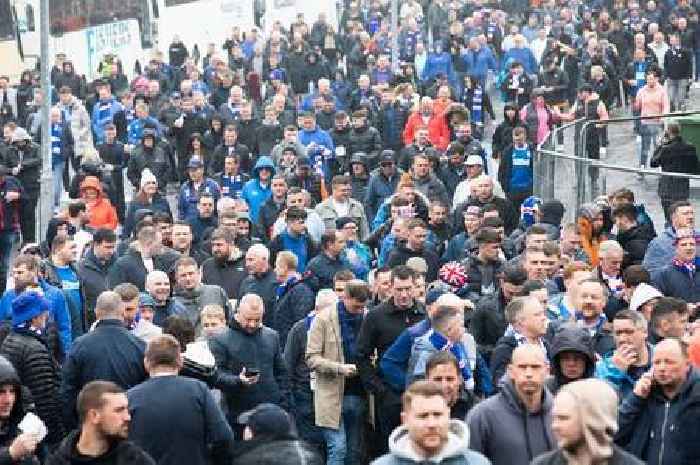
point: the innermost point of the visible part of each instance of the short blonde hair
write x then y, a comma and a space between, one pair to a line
213, 311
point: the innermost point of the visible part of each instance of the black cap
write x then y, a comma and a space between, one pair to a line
303, 162
296, 213
267, 419
387, 156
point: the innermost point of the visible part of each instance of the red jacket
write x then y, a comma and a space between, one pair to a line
414, 121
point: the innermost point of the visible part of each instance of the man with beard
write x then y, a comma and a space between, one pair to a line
225, 267
158, 287
102, 438
249, 360
592, 298
416, 247
181, 234
584, 421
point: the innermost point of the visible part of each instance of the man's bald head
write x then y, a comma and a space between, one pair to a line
527, 370
529, 353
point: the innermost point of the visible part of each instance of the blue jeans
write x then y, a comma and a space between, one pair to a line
649, 132
57, 169
344, 444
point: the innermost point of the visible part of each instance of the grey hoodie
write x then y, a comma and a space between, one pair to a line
455, 451
502, 429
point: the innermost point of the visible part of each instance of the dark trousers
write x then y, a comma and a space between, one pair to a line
27, 218
388, 417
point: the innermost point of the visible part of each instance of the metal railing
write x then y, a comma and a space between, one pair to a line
563, 171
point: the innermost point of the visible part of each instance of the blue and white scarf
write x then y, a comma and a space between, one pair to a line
441, 343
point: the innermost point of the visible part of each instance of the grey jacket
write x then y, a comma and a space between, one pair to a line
194, 301
455, 452
502, 430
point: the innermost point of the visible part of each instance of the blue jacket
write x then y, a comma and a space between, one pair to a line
103, 113
135, 129
622, 381
438, 63
379, 189
394, 362
188, 199
253, 192
479, 62
523, 56
661, 251
58, 312
322, 142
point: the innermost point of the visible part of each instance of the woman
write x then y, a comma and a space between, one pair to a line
147, 198
100, 211
196, 147
213, 136
503, 135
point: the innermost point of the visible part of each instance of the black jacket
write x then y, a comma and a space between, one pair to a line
401, 254
380, 328
196, 432
488, 322
368, 140
234, 349
121, 453
570, 338
634, 242
38, 371
482, 276
676, 156
129, 267
269, 211
264, 285
268, 451
321, 270
296, 301
228, 275
110, 353
10, 430
505, 211
500, 358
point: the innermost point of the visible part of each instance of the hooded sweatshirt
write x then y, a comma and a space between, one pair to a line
570, 338
454, 452
101, 213
255, 193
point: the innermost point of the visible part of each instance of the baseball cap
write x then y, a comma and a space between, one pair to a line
267, 419
145, 300
386, 157
433, 294
474, 160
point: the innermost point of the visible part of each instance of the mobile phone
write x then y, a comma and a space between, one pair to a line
252, 372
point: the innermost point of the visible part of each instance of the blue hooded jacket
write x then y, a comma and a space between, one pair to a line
253, 192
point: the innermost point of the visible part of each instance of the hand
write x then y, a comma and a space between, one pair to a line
348, 370
643, 386
23, 445
12, 196
248, 380
623, 357
16, 170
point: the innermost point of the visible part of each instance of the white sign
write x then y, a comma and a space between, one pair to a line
120, 38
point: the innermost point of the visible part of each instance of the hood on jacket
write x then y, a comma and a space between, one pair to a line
263, 162
596, 402
552, 212
8, 375
308, 56
571, 338
456, 445
91, 182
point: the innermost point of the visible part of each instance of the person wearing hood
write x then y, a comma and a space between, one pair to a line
26, 347
257, 190
359, 176
16, 446
364, 139
249, 360
633, 237
100, 211
68, 78
148, 198
589, 219
573, 358
104, 430
149, 154
24, 161
513, 427
269, 437
584, 422
441, 441
503, 134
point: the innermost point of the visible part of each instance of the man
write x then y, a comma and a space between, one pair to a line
380, 329
290, 139
426, 182
260, 279
482, 193
297, 197
515, 171
271, 208
633, 238
18, 446
649, 415
143, 256
196, 431
632, 355
662, 249
94, 268
182, 240
26, 348
318, 143
513, 427
484, 266
679, 278
226, 266
573, 358
669, 318
109, 352
294, 238
528, 321
191, 294
416, 247
60, 271
295, 298
340, 205
258, 189
231, 179
25, 165
584, 421
323, 267
158, 287
444, 369
332, 353
249, 362
25, 274
104, 429
651, 100
104, 110
592, 298
193, 189
10, 209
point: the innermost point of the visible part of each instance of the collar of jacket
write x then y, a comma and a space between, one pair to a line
109, 322
414, 309
236, 326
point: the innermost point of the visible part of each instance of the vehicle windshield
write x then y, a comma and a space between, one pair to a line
74, 15
7, 22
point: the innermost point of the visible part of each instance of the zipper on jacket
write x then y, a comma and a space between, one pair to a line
663, 432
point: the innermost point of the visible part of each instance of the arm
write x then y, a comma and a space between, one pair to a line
366, 349
281, 375
629, 416
225, 380
61, 316
395, 360
218, 432
70, 386
478, 423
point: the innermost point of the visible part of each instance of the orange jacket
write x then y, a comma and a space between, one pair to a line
101, 213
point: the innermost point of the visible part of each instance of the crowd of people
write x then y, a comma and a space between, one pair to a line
289, 251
